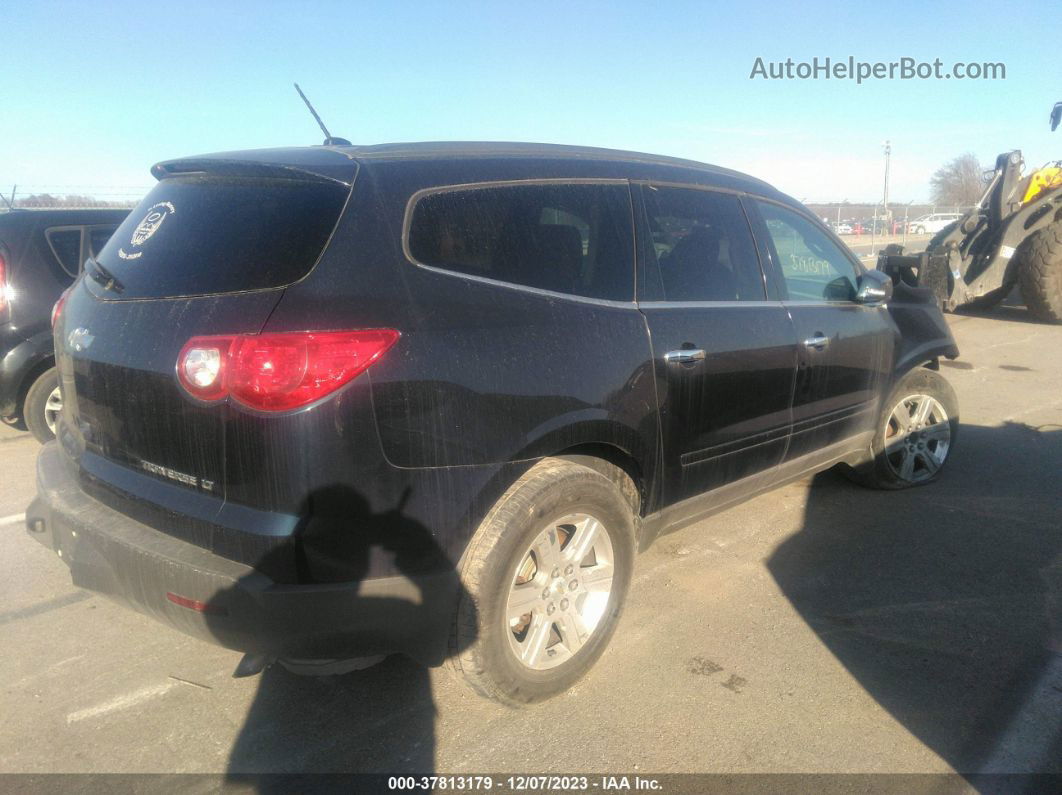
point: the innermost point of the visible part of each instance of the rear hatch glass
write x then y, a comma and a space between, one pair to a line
201, 234
202, 255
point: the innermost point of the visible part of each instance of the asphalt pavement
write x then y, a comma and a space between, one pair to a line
819, 628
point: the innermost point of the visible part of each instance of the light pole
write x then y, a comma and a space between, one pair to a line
873, 229
885, 198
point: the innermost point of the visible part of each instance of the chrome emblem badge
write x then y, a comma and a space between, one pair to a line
147, 227
173, 474
79, 339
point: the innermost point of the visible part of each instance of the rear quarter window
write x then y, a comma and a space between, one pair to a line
98, 237
572, 238
203, 235
65, 245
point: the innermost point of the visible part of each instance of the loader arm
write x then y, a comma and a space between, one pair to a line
975, 258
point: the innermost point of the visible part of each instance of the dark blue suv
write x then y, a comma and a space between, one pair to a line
328, 403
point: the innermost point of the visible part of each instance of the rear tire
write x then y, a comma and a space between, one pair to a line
545, 578
40, 410
1040, 273
915, 434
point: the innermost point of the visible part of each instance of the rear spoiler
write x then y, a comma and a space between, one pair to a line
300, 165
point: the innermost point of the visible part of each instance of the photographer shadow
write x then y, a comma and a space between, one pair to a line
376, 720
945, 602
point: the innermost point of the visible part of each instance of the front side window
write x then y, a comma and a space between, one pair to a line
568, 238
813, 266
703, 246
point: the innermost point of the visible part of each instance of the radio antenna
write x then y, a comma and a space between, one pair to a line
329, 140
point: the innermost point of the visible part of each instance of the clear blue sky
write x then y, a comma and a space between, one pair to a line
94, 93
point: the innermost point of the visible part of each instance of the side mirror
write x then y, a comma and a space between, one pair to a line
875, 288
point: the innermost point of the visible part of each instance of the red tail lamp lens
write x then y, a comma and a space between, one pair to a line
57, 308
3, 287
277, 372
195, 604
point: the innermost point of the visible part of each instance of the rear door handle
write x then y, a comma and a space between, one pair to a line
818, 342
684, 356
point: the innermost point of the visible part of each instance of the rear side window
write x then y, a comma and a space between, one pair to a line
98, 237
66, 246
568, 238
202, 235
703, 246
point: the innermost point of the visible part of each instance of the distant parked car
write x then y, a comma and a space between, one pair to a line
41, 253
843, 228
877, 226
931, 224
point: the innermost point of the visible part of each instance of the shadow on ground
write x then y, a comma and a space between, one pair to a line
377, 720
1011, 309
945, 602
380, 720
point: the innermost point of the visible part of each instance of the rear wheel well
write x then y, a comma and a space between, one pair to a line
633, 485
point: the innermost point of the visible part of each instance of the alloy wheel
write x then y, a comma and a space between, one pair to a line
917, 438
559, 592
52, 406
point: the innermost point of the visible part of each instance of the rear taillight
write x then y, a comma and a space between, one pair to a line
5, 298
57, 307
201, 367
278, 372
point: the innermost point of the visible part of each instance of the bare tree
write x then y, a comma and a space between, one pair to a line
80, 201
958, 183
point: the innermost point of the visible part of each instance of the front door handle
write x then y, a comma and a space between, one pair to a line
818, 342
684, 356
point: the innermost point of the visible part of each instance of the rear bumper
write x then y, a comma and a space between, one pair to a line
230, 603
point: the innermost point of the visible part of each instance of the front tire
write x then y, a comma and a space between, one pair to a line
915, 434
545, 578
1040, 273
44, 401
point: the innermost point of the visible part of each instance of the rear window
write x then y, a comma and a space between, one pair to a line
201, 235
567, 238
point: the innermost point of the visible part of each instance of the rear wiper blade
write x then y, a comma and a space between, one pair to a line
104, 277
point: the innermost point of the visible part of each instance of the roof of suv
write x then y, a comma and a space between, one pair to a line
334, 162
448, 149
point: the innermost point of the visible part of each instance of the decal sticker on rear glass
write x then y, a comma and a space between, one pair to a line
147, 227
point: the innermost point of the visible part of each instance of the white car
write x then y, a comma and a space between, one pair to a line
931, 224
843, 228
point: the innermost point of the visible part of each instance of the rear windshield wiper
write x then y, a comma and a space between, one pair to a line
104, 277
